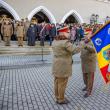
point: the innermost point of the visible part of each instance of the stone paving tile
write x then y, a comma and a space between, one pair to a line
31, 88
23, 60
27, 59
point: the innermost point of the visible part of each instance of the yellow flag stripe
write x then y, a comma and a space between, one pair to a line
101, 58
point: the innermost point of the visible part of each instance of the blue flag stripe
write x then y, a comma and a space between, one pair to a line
102, 38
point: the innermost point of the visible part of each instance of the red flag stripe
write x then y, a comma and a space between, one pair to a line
104, 72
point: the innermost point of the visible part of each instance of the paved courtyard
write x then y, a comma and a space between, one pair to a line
26, 83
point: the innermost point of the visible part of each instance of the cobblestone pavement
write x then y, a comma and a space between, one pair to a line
30, 86
9, 61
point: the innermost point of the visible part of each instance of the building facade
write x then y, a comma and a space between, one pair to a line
57, 11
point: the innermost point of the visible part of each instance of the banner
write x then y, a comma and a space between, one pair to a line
101, 41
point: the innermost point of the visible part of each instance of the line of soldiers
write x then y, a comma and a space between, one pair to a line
10, 28
26, 30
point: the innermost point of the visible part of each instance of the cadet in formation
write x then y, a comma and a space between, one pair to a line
7, 31
20, 32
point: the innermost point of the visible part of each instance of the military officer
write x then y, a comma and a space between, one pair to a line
20, 32
7, 31
88, 62
62, 63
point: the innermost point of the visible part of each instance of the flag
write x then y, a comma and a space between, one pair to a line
87, 31
101, 41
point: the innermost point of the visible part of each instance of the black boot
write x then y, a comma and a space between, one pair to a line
84, 89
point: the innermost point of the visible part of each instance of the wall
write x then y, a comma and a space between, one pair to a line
59, 8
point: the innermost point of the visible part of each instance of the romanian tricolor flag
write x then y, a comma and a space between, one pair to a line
87, 31
101, 41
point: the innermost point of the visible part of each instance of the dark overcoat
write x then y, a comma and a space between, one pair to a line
31, 35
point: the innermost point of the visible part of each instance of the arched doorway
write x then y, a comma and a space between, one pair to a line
41, 17
7, 7
3, 11
6, 11
72, 17
43, 13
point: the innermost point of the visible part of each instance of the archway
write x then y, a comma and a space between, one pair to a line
72, 16
41, 17
3, 11
44, 12
71, 19
7, 7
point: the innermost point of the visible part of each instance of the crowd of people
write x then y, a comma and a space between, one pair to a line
32, 31
66, 40
26, 30
94, 19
